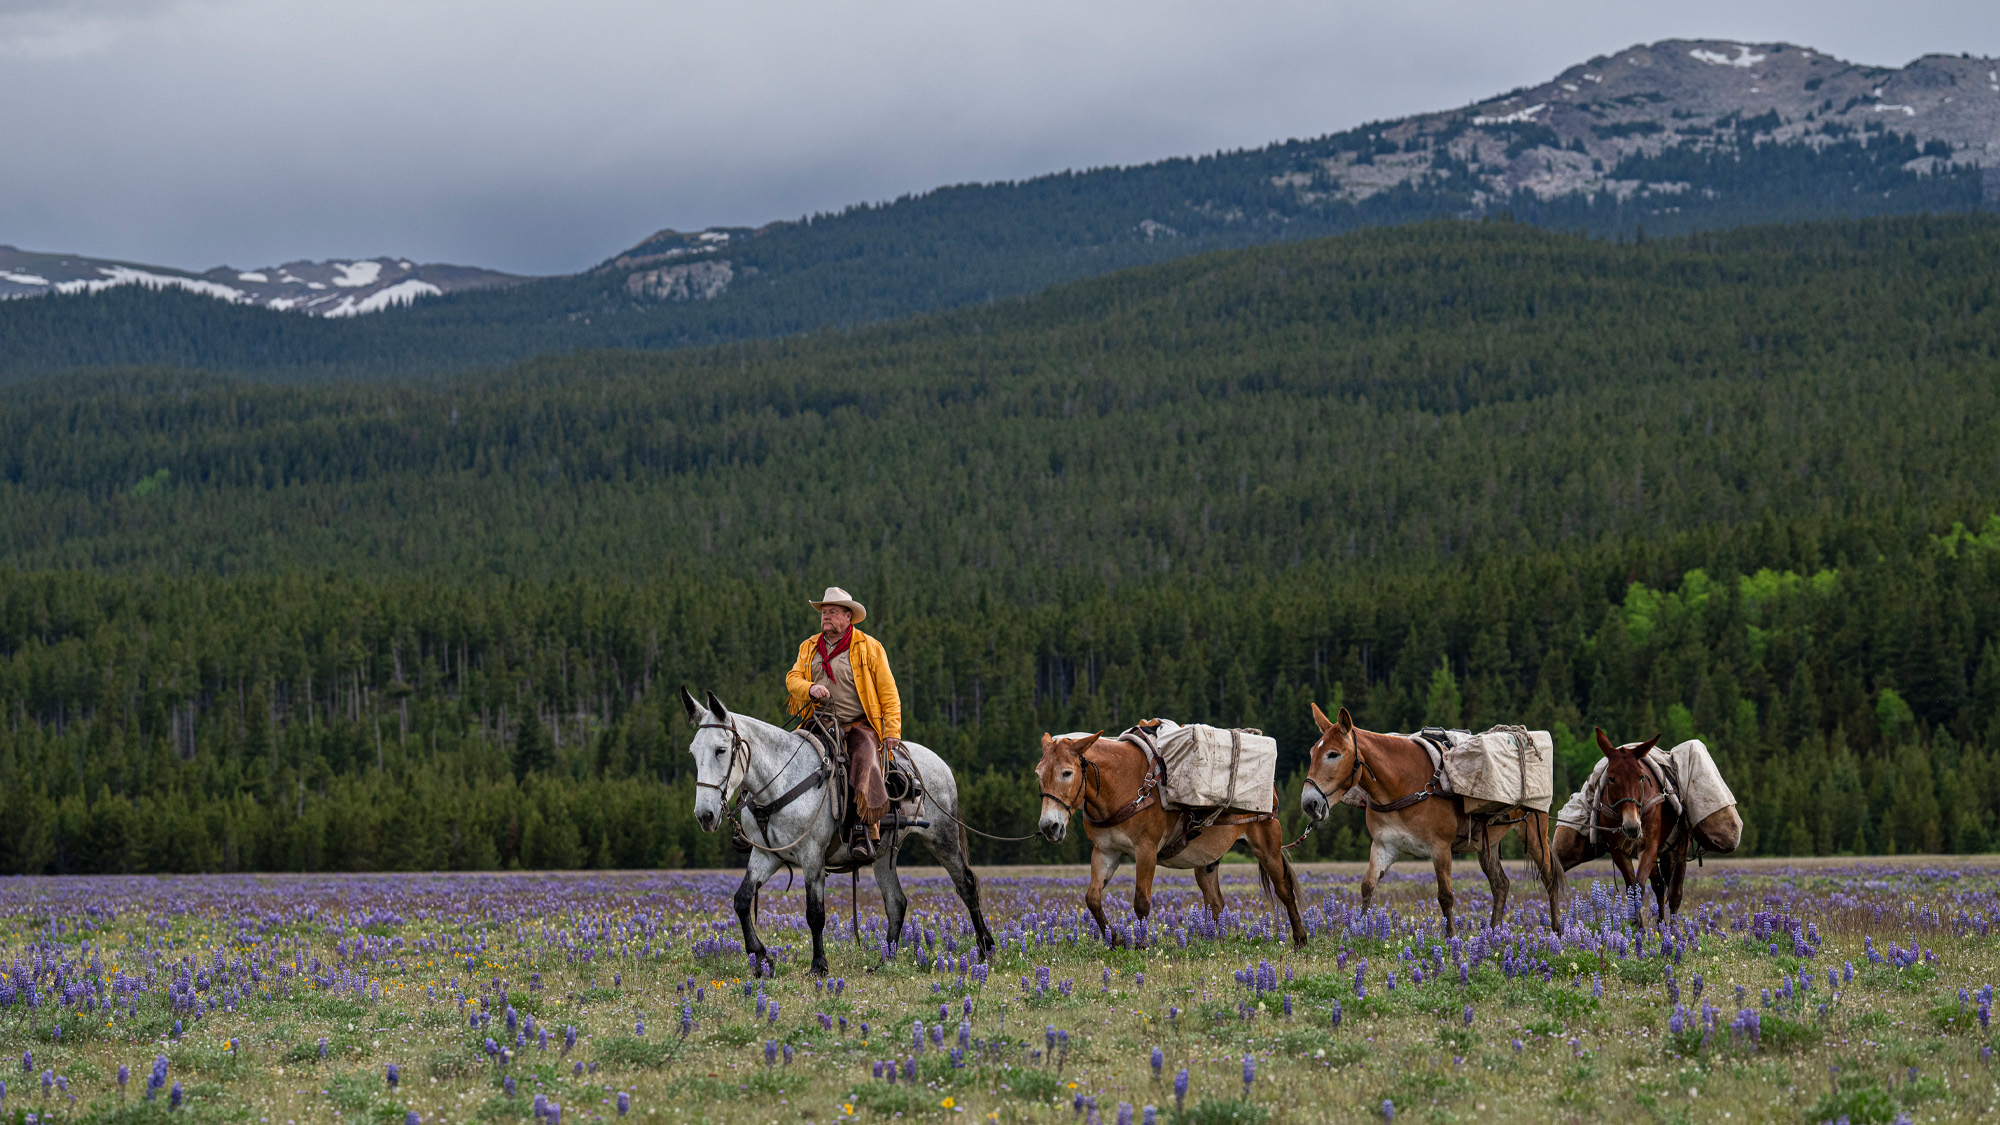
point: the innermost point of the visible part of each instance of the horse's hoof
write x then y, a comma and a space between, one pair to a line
819, 968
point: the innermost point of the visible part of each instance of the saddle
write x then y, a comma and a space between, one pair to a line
899, 778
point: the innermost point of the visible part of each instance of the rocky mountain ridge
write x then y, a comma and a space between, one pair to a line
1586, 135
336, 288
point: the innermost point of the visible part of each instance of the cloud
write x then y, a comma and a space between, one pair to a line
542, 137
75, 29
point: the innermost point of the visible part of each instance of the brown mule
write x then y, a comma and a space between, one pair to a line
1636, 826
1405, 818
1115, 785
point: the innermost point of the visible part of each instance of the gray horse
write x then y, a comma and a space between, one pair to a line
773, 770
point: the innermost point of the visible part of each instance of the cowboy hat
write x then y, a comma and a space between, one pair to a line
837, 596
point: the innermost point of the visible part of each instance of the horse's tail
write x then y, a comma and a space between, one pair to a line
1270, 890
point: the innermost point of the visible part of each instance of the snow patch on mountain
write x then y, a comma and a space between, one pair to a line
355, 275
1518, 118
1744, 57
401, 293
125, 275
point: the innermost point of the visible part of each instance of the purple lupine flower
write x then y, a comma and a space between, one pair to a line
910, 1070
917, 1037
1180, 1089
1124, 1113
1468, 1015
394, 1075
27, 1062
787, 1051
624, 1103
1149, 1116
411, 1118
507, 1086
124, 1076
1249, 1073
1159, 1060
770, 1052
1388, 1110
541, 1106
1336, 1013
174, 1097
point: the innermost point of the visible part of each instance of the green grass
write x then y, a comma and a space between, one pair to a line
1411, 1046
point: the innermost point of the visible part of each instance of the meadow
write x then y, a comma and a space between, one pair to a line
1785, 991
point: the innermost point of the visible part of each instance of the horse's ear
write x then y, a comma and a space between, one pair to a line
1086, 742
693, 708
1346, 720
716, 708
1319, 717
1604, 743
1640, 750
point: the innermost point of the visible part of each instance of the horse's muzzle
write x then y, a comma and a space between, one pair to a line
1631, 828
705, 819
1054, 828
1313, 803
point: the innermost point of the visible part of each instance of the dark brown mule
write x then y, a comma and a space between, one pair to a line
1636, 826
1407, 818
1115, 786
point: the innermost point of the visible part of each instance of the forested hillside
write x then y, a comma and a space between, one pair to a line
1463, 473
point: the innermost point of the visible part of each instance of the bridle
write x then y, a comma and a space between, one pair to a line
1644, 805
1353, 776
739, 755
1069, 808
1326, 799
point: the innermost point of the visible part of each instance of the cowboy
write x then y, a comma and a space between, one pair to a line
847, 671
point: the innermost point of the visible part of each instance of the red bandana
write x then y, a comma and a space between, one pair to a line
826, 655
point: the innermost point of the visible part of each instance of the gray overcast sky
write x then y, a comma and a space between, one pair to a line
543, 137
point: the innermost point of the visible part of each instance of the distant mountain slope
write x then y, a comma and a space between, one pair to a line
332, 288
1676, 136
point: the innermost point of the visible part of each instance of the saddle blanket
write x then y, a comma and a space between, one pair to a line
1693, 780
1212, 767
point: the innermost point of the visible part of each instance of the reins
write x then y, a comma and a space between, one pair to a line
739, 750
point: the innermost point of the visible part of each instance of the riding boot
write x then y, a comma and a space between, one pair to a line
862, 843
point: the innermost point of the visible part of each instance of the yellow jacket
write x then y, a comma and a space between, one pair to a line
873, 682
